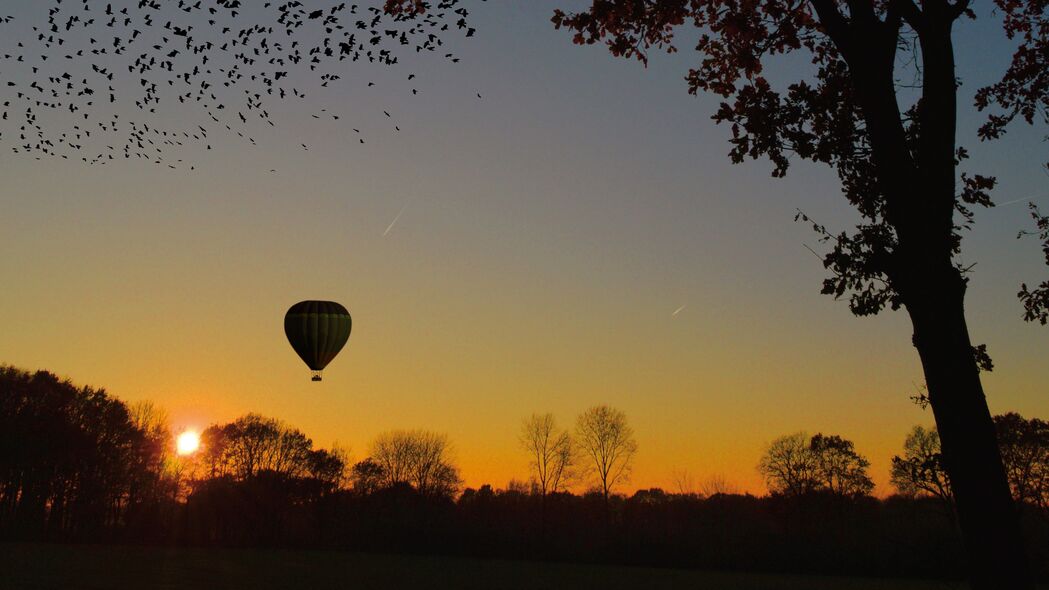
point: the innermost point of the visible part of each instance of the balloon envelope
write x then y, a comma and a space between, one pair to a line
317, 330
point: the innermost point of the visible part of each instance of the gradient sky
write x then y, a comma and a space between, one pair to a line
549, 232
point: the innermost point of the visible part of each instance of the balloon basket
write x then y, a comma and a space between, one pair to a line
316, 376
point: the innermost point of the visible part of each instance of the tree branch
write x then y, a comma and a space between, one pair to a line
906, 10
834, 23
958, 8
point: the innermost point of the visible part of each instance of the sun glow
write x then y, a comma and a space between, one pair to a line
187, 443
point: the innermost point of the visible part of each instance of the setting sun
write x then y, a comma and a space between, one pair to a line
187, 442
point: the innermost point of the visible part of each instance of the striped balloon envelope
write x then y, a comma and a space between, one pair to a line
317, 330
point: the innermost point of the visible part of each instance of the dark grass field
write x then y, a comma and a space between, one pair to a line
26, 566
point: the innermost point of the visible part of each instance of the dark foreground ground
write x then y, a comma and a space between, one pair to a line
36, 567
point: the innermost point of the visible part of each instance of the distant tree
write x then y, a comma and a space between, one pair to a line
920, 469
213, 459
717, 484
893, 145
684, 483
550, 451
156, 476
253, 444
151, 419
608, 443
73, 462
1024, 445
418, 458
327, 467
1025, 451
523, 488
649, 496
796, 464
367, 476
841, 470
789, 467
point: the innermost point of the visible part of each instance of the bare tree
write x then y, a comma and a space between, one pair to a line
550, 450
788, 467
920, 470
155, 452
419, 458
523, 488
151, 419
684, 483
608, 442
717, 484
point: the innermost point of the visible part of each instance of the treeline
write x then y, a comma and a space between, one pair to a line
79, 465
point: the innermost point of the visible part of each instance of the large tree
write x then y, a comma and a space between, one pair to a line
608, 443
897, 158
550, 452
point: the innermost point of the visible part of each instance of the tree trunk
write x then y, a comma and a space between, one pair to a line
989, 521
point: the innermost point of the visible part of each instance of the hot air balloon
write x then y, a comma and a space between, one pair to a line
317, 330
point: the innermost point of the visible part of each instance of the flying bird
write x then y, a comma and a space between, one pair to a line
96, 89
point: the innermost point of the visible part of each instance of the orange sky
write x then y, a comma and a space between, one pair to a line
549, 232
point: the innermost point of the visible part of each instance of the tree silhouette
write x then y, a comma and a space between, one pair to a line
895, 152
717, 484
418, 458
795, 464
367, 477
73, 464
550, 451
155, 478
1024, 445
788, 465
840, 469
920, 469
252, 444
608, 442
257, 480
1025, 450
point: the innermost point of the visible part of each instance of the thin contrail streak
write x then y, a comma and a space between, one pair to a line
1014, 201
677, 311
389, 227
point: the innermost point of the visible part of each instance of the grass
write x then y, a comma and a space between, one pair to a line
91, 567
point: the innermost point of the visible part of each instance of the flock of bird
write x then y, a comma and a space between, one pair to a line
87, 79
